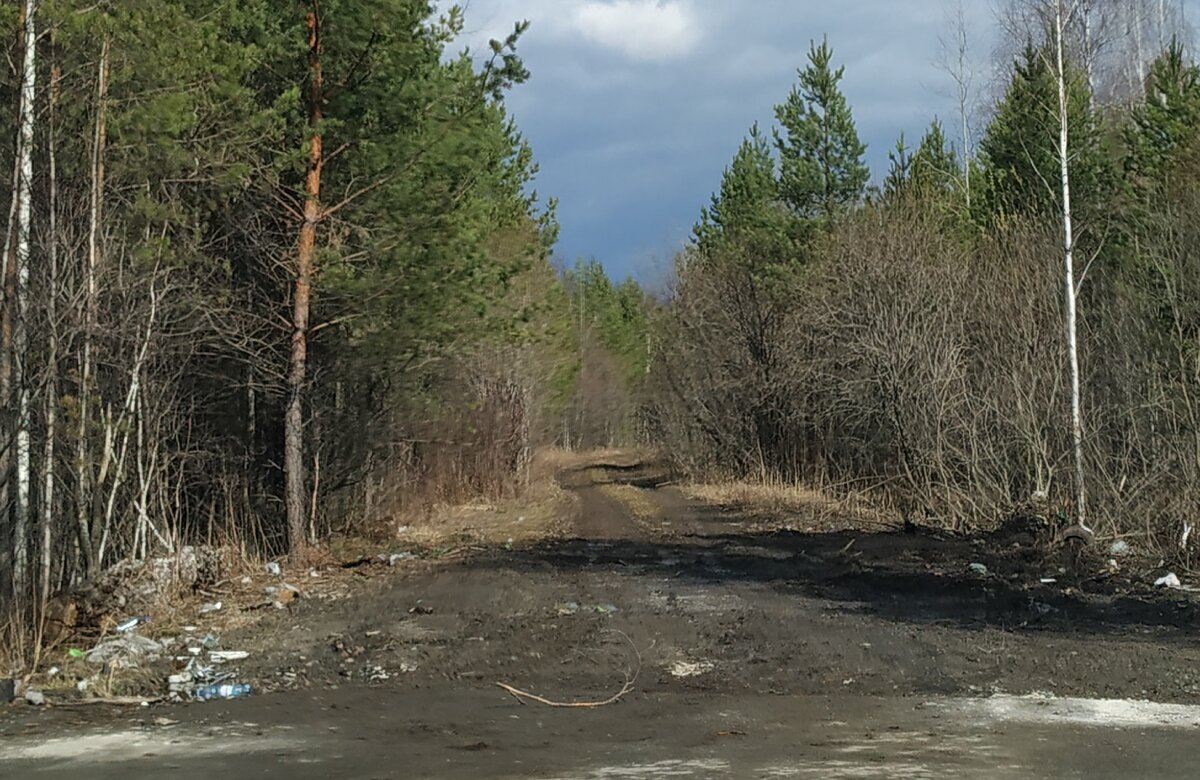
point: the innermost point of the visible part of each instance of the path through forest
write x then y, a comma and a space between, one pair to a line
749, 651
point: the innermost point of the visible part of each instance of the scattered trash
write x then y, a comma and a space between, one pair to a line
377, 674
124, 651
8, 691
223, 656
207, 608
1119, 548
1111, 566
84, 684
568, 608
75, 652
314, 573
1048, 580
222, 691
283, 595
683, 669
1187, 534
164, 722
274, 568
36, 698
420, 610
53, 671
128, 624
978, 568
246, 580
1168, 581
606, 609
521, 519
407, 668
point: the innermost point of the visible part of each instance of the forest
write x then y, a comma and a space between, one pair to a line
274, 273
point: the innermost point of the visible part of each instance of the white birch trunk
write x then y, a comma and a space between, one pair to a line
1069, 271
47, 476
28, 116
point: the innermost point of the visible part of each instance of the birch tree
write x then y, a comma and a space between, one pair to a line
1063, 10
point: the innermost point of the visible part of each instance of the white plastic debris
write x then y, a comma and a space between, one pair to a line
207, 608
978, 568
1119, 548
124, 651
274, 568
682, 669
127, 625
1168, 581
221, 656
36, 698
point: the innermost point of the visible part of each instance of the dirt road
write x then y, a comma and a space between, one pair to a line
747, 651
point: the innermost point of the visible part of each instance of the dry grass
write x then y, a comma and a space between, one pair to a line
634, 499
798, 506
542, 510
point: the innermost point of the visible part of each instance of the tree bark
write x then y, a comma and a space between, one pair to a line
47, 475
1069, 273
24, 466
89, 541
293, 451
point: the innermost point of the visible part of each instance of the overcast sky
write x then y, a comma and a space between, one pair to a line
636, 106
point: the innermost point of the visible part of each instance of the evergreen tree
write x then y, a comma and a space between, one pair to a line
896, 182
1019, 150
747, 223
935, 168
1167, 122
821, 156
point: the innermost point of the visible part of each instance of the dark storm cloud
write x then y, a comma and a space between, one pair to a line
636, 106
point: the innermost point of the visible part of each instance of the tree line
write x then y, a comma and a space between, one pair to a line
915, 341
271, 272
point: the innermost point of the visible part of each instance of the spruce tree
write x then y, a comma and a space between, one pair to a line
1167, 123
821, 157
1019, 151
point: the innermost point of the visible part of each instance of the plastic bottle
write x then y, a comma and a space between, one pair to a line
222, 691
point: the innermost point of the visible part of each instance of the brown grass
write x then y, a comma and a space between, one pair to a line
797, 506
639, 504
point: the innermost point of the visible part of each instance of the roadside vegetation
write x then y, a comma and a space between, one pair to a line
277, 283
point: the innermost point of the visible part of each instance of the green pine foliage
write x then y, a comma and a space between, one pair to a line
822, 173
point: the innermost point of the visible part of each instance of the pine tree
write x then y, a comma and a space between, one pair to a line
821, 157
935, 168
1167, 122
895, 184
747, 223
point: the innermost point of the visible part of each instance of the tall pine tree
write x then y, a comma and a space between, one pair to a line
821, 157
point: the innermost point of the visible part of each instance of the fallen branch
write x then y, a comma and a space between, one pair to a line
630, 679
626, 688
115, 701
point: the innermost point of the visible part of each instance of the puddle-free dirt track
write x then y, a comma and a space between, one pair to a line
750, 651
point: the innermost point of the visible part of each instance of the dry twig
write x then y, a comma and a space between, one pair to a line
630, 679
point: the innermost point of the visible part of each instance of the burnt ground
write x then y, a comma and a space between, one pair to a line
727, 628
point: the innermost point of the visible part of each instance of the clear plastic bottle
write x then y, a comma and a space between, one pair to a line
222, 691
